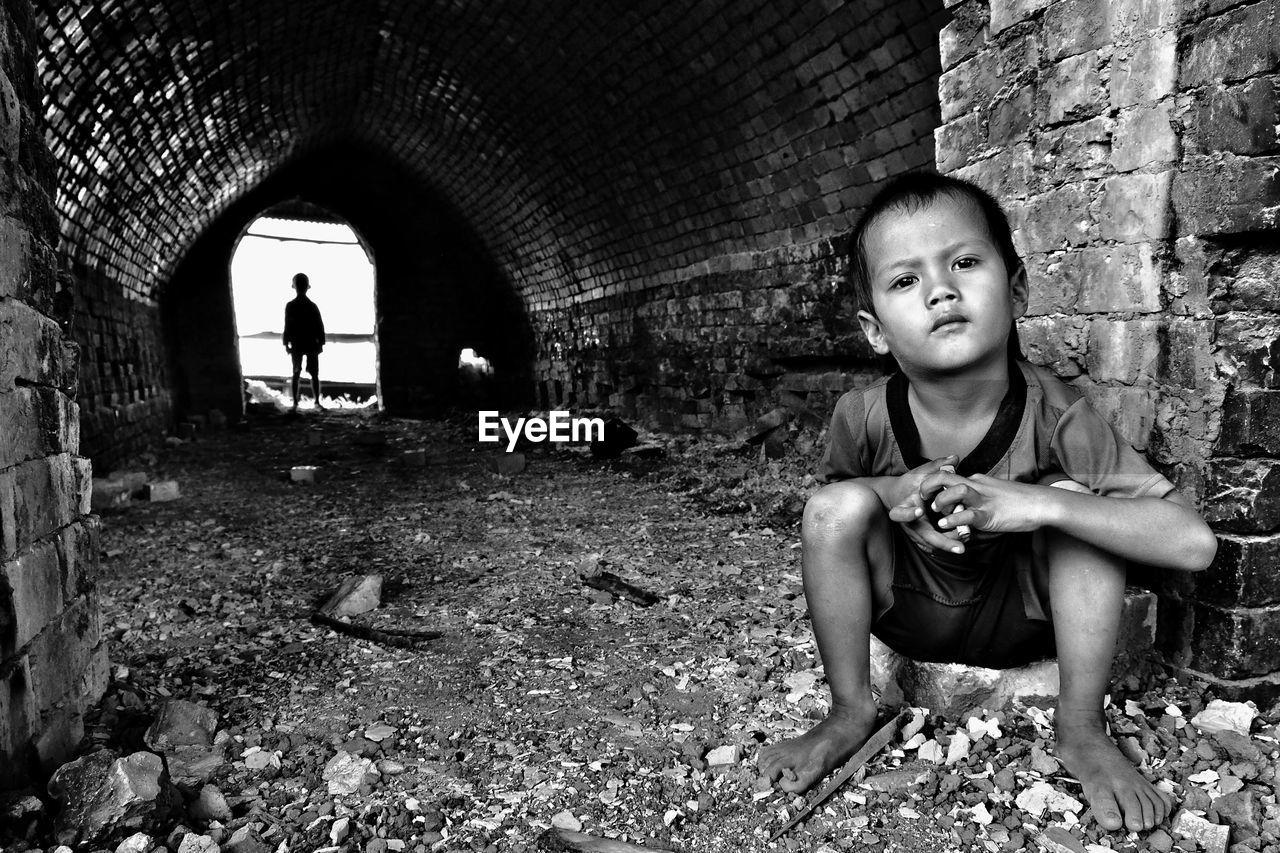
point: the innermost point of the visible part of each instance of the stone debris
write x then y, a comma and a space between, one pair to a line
210, 805
1056, 839
181, 723
721, 756
1212, 837
102, 793
355, 595
194, 843
139, 842
345, 773
1220, 715
1042, 798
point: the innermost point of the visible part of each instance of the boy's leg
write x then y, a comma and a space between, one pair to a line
845, 536
1086, 595
297, 372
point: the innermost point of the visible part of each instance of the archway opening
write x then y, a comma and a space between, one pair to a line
284, 240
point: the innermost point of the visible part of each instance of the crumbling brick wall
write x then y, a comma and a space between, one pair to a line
1134, 143
52, 660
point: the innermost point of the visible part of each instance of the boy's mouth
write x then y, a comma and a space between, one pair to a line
946, 320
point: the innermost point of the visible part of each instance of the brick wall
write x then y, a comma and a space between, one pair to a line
52, 660
726, 297
1135, 144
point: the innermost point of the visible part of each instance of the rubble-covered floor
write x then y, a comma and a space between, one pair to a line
546, 700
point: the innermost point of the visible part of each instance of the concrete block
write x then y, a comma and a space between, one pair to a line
1144, 137
1245, 350
15, 255
1078, 153
1058, 219
1245, 573
1243, 495
1137, 208
963, 36
1074, 89
78, 553
37, 498
30, 346
970, 85
10, 117
1124, 277
109, 494
1131, 20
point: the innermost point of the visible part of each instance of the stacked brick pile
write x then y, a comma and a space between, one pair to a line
52, 661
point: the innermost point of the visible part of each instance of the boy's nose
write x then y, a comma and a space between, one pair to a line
941, 291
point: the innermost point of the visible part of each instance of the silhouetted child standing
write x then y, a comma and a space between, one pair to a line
967, 435
304, 336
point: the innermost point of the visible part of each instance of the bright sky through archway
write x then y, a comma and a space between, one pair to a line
342, 285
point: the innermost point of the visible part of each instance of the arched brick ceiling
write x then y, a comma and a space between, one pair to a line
587, 144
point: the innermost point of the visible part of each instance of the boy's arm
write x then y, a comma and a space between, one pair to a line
1164, 532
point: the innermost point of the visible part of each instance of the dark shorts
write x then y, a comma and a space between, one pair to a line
313, 361
988, 607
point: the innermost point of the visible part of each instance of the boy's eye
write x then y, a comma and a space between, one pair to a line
902, 281
966, 263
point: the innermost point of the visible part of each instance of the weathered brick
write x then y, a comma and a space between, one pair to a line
19, 721
36, 499
1008, 122
1055, 281
1250, 423
1236, 643
31, 598
1058, 218
1249, 349
63, 653
1136, 208
970, 85
1144, 137
1245, 573
1145, 71
1134, 19
958, 141
1006, 13
1056, 343
15, 257
1074, 89
1241, 119
30, 346
1006, 175
1074, 152
1123, 277
10, 116
1236, 45
1125, 351
963, 36
1072, 27
1243, 495
1252, 285
78, 555
1227, 194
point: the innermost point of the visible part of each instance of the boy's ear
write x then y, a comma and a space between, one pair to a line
874, 332
1019, 291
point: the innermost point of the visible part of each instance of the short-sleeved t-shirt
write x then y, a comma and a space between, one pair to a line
988, 606
1042, 427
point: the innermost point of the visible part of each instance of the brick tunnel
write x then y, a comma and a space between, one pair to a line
640, 211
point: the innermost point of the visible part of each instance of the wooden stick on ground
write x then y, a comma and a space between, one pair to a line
566, 841
878, 741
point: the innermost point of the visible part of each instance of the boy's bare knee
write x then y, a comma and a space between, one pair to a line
840, 508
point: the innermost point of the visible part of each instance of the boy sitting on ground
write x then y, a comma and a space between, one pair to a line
976, 509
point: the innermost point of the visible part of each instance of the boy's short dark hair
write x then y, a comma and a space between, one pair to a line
911, 192
301, 280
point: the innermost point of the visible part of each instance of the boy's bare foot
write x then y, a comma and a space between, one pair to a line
795, 765
1116, 791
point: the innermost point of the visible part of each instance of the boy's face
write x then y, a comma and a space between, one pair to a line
944, 301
